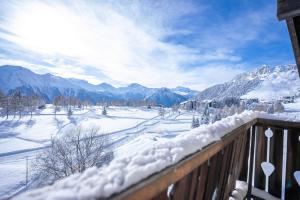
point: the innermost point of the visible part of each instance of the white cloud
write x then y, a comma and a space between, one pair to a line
123, 40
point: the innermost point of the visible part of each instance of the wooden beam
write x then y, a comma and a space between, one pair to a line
278, 124
287, 8
292, 24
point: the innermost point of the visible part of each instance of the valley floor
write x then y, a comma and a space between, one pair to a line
24, 138
130, 130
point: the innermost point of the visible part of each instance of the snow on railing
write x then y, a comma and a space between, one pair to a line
124, 172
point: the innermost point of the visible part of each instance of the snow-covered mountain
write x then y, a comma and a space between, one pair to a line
165, 96
184, 91
48, 86
265, 83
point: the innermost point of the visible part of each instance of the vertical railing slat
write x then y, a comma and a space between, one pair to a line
201, 186
181, 188
251, 161
194, 182
224, 171
293, 164
276, 153
244, 169
260, 156
213, 175
231, 180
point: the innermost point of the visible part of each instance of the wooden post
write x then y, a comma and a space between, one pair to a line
251, 163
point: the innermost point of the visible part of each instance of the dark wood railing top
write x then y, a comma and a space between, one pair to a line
278, 123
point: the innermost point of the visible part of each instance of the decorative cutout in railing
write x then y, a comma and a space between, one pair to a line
267, 167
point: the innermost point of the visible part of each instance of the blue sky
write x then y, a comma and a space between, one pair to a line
156, 43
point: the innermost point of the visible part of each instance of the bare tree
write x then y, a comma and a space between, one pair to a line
56, 103
2, 102
161, 112
7, 106
76, 151
31, 102
2, 99
16, 102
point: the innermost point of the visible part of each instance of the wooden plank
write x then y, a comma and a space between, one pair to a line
239, 161
251, 163
194, 183
260, 156
213, 173
201, 186
244, 169
242, 153
224, 171
293, 164
236, 165
181, 188
276, 153
162, 196
231, 177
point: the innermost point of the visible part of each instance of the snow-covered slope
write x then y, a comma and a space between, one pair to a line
46, 85
184, 91
265, 83
49, 86
15, 76
279, 82
165, 96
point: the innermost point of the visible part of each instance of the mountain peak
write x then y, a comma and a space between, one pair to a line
264, 69
135, 85
14, 68
105, 86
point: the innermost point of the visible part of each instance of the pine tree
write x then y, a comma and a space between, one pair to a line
161, 112
205, 116
104, 112
195, 122
70, 112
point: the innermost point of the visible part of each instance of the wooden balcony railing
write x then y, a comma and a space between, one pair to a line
212, 172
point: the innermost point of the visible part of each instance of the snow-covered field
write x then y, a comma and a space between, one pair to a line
24, 138
131, 130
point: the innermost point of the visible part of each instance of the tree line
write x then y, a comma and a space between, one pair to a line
17, 104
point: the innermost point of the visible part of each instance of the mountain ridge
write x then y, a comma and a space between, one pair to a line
264, 83
49, 86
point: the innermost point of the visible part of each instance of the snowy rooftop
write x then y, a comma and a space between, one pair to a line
122, 173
